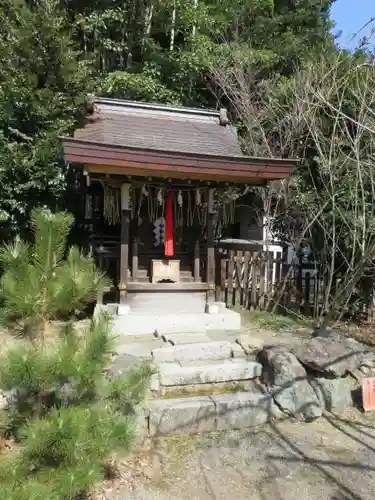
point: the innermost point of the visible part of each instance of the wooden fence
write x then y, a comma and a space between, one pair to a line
265, 280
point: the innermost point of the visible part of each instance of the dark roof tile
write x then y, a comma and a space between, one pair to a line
160, 127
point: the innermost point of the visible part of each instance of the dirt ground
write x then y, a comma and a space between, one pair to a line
332, 458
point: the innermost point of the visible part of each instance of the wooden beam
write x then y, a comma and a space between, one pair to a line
134, 161
161, 171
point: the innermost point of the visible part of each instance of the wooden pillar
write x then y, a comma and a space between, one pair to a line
196, 262
135, 256
124, 240
210, 248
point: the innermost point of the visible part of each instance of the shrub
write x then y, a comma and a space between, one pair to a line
39, 284
66, 416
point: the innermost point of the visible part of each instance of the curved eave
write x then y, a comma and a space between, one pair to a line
110, 159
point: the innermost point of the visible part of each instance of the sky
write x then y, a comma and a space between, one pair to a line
350, 16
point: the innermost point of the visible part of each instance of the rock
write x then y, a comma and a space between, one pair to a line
330, 357
182, 416
250, 344
3, 401
365, 354
326, 332
14, 397
193, 352
240, 410
335, 394
221, 371
286, 379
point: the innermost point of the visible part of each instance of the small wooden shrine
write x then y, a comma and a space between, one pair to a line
159, 180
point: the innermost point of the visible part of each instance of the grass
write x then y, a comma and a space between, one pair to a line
10, 339
276, 322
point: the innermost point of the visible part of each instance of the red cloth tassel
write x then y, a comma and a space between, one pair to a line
169, 246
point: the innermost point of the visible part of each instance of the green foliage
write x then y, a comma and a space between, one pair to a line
137, 87
43, 94
125, 392
38, 284
53, 54
68, 417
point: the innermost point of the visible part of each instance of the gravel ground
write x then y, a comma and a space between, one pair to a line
332, 458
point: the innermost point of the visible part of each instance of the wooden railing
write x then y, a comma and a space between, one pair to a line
265, 280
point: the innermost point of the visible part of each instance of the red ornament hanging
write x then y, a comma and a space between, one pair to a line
169, 246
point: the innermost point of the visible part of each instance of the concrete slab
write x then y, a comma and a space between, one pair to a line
250, 344
172, 374
222, 335
150, 322
141, 350
135, 339
164, 302
155, 383
204, 351
214, 362
181, 416
240, 410
123, 309
212, 308
237, 351
185, 338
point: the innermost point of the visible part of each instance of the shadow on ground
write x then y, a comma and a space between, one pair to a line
331, 458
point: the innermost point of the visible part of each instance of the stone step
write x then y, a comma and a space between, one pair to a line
175, 374
140, 350
144, 323
185, 338
203, 351
168, 301
238, 410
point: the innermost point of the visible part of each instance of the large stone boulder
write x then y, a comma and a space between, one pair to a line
365, 354
335, 394
286, 379
333, 355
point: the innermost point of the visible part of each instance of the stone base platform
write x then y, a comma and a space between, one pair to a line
137, 323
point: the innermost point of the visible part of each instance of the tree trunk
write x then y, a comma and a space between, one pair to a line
194, 30
173, 29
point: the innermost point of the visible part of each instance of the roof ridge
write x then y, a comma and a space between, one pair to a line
157, 107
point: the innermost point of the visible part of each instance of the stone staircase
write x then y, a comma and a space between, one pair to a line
203, 382
168, 312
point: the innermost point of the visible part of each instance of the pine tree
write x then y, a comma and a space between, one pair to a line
44, 281
67, 415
